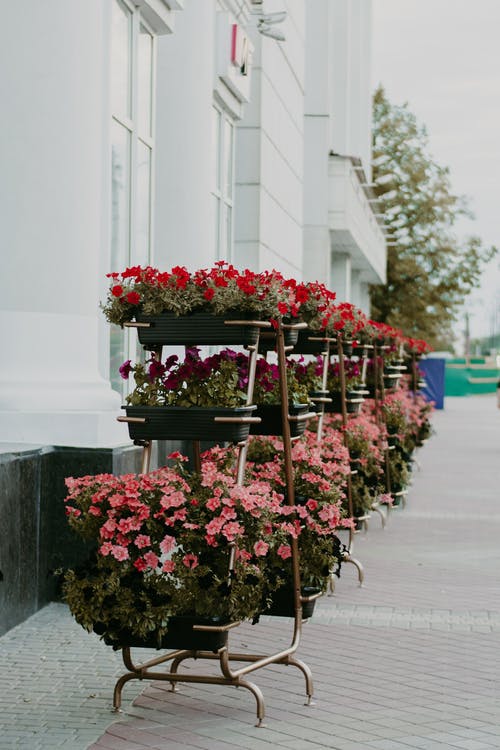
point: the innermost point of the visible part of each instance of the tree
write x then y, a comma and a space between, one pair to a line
430, 271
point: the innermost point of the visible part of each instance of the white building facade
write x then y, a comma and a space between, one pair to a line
168, 132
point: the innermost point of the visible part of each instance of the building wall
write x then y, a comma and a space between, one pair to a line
351, 90
54, 194
297, 101
343, 244
317, 141
184, 165
269, 151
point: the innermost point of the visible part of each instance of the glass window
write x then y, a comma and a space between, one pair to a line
143, 205
120, 195
133, 48
223, 181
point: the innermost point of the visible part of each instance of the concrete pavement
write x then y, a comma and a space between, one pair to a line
411, 660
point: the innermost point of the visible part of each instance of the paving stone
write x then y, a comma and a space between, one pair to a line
410, 660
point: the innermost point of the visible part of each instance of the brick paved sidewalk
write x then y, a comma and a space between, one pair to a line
411, 660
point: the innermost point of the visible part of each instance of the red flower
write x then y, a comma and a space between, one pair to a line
302, 293
133, 298
208, 293
117, 291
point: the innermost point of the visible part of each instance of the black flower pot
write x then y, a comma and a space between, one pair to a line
180, 635
361, 350
283, 606
196, 328
305, 346
188, 423
353, 402
267, 339
271, 419
347, 348
391, 381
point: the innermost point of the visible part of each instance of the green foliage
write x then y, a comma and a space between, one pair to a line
430, 271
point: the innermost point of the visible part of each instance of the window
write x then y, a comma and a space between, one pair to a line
223, 176
133, 48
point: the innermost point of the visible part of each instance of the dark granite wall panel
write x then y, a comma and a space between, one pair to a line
19, 521
59, 545
35, 538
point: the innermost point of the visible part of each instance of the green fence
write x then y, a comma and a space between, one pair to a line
467, 380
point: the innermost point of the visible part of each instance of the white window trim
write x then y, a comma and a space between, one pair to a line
158, 13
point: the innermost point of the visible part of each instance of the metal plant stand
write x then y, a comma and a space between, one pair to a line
224, 656
325, 345
348, 555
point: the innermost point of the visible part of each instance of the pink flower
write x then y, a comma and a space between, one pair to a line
124, 525
119, 553
152, 559
242, 554
108, 529
142, 540
168, 566
106, 548
212, 503
140, 564
214, 526
231, 530
284, 551
167, 544
260, 548
312, 504
190, 560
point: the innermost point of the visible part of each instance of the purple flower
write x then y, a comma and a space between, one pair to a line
171, 361
172, 383
125, 369
156, 369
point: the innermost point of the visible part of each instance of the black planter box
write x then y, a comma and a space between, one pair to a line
196, 328
180, 635
188, 423
272, 423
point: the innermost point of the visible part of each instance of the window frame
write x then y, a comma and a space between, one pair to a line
132, 126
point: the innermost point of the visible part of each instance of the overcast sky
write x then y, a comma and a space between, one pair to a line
443, 58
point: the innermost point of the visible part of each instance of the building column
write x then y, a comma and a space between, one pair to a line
340, 279
54, 191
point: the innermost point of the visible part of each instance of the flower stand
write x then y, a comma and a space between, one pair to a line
143, 428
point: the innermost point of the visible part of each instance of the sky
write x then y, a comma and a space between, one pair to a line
443, 58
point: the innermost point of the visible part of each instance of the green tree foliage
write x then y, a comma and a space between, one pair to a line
430, 271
